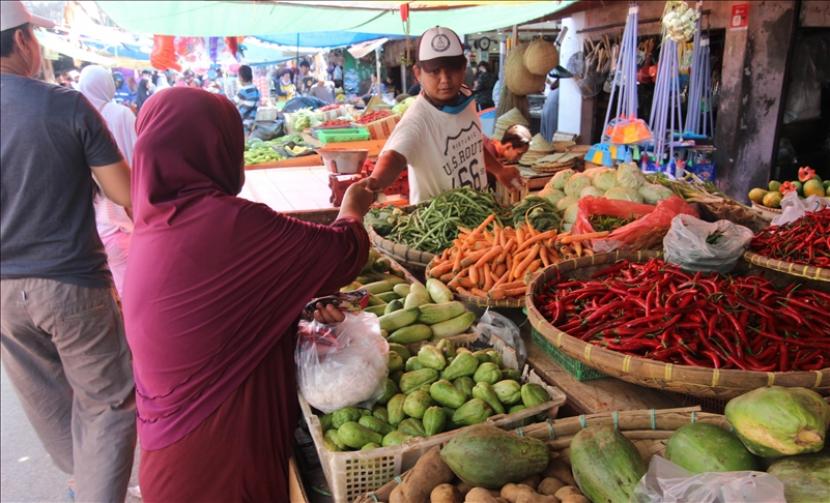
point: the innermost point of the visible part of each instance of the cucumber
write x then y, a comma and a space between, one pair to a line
374, 300
418, 295
436, 313
378, 310
410, 334
378, 287
395, 305
393, 279
438, 291
402, 289
388, 296
606, 465
398, 319
453, 326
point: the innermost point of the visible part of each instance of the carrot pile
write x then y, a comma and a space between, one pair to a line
495, 262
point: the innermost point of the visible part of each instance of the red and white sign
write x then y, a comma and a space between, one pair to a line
740, 17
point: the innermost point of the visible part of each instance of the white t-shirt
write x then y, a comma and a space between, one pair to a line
444, 151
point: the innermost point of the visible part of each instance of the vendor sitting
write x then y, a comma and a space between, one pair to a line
513, 145
439, 140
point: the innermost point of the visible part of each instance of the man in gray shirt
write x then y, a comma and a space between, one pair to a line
63, 343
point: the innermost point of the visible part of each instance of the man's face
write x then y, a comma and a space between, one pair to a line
512, 153
442, 83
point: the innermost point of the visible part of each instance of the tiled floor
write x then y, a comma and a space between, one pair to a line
288, 189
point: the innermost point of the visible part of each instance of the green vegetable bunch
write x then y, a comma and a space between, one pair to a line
538, 212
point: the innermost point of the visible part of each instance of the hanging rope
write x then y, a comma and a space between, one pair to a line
699, 108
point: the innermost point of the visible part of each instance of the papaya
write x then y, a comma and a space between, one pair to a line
701, 447
605, 464
806, 477
487, 456
778, 421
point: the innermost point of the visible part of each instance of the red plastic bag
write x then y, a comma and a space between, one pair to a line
647, 231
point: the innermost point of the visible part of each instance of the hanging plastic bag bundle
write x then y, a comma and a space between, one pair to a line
344, 364
696, 245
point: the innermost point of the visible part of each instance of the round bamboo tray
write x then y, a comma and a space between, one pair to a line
649, 430
767, 213
789, 268
412, 259
483, 302
696, 381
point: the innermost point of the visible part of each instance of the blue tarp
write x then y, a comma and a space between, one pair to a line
323, 38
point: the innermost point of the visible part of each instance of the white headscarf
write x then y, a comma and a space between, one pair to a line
97, 85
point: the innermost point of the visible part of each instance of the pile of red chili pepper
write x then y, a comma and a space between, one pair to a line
658, 311
373, 116
805, 241
335, 123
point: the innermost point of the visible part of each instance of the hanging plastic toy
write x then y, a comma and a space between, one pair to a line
699, 124
666, 116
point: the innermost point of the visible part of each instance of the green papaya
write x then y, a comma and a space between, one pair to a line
334, 439
395, 361
413, 427
605, 464
389, 390
434, 420
806, 478
392, 306
375, 424
444, 393
410, 381
344, 415
464, 364
413, 363
465, 385
473, 412
395, 438
411, 333
354, 435
484, 391
325, 422
533, 395
701, 447
778, 421
487, 372
400, 349
508, 391
394, 409
432, 357
490, 457
417, 403
381, 413
369, 446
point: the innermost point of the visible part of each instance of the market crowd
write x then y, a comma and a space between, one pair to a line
143, 300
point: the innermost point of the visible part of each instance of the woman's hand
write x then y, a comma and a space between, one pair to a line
357, 199
328, 314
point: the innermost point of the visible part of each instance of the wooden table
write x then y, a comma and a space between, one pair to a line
373, 146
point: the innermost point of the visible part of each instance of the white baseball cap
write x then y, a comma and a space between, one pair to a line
14, 13
439, 42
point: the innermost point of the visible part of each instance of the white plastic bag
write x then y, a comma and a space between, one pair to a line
341, 365
665, 482
696, 245
494, 325
794, 207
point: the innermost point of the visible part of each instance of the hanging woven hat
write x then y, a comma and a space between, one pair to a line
517, 77
539, 144
540, 57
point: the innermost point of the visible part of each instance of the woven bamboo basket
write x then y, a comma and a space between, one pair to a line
484, 302
789, 268
414, 260
767, 213
649, 430
696, 381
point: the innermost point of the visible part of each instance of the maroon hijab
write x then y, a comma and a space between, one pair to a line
213, 281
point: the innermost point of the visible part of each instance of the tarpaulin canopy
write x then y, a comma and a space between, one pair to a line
227, 18
321, 39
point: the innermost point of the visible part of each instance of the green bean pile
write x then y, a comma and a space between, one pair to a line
433, 227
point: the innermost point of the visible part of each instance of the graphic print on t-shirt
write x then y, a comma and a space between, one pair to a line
462, 158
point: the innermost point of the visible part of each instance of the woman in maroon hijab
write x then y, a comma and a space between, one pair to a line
213, 290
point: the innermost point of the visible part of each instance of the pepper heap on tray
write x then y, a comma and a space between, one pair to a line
657, 311
805, 241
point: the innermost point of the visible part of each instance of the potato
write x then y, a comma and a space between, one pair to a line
549, 486
531, 482
558, 469
463, 488
567, 491
427, 473
445, 493
520, 493
480, 495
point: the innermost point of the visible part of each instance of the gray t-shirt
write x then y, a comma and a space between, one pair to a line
50, 136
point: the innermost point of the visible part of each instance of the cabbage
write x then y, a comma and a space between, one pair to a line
565, 202
593, 172
552, 195
570, 213
653, 193
576, 183
559, 179
629, 175
605, 180
591, 191
624, 194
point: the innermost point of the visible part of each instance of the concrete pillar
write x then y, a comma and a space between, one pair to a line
571, 115
752, 83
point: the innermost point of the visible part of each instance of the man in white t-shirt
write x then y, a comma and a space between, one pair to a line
439, 139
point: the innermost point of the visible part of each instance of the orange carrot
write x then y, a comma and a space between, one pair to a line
456, 263
543, 254
441, 269
534, 266
478, 230
474, 275
488, 277
516, 292
446, 277
520, 269
583, 237
577, 248
589, 251
473, 257
500, 270
520, 236
513, 284
537, 238
478, 292
467, 283
489, 256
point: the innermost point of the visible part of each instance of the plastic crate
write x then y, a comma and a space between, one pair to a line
340, 135
382, 129
575, 368
355, 473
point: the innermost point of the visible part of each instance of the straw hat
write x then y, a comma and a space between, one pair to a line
513, 116
540, 57
539, 147
517, 77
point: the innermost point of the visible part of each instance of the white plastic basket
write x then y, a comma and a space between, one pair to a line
355, 473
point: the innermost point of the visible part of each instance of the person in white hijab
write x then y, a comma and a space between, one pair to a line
114, 224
